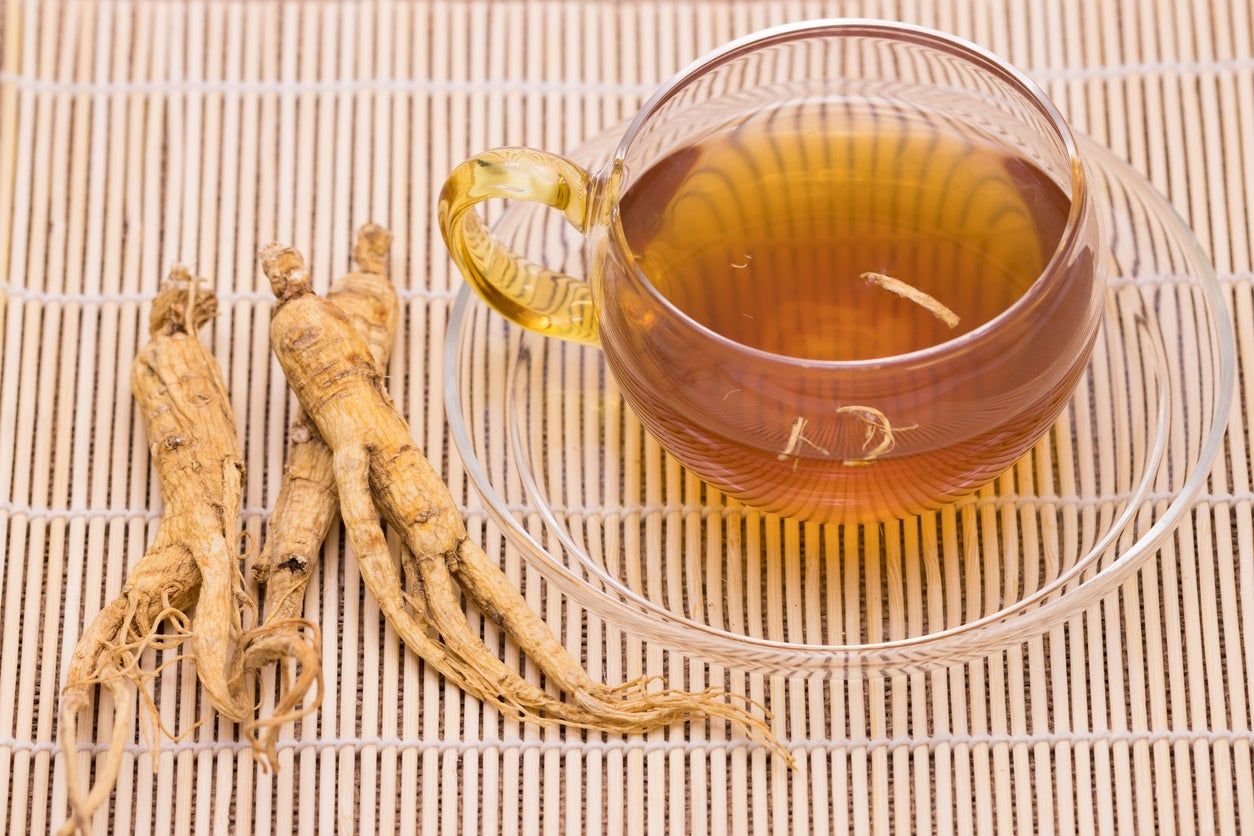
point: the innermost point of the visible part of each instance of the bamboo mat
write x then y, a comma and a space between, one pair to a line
134, 135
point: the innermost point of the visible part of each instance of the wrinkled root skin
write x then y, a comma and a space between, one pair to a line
307, 506
382, 476
181, 398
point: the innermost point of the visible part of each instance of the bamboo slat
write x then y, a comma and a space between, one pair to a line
136, 134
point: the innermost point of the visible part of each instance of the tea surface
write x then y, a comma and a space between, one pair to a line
763, 230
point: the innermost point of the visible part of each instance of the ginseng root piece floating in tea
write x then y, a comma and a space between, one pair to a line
382, 476
306, 506
192, 562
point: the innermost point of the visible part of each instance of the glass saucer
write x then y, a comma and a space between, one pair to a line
617, 524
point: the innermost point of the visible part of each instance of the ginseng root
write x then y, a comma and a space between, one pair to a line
911, 293
191, 433
381, 475
306, 507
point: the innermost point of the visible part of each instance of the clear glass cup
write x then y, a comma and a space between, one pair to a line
817, 439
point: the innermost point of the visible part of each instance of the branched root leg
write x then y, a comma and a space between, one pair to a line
629, 707
277, 640
74, 699
109, 655
378, 572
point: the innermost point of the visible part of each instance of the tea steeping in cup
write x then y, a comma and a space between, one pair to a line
842, 270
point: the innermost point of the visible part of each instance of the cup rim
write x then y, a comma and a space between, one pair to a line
849, 27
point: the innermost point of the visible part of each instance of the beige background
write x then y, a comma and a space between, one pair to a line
135, 135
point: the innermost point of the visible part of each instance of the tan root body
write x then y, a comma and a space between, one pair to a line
381, 475
191, 433
307, 505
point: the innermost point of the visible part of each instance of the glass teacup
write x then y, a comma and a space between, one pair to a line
842, 270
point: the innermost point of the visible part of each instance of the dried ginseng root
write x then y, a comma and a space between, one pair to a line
307, 505
191, 434
382, 475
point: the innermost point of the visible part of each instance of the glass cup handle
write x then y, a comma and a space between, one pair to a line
537, 298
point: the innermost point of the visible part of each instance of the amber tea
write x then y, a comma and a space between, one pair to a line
766, 231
